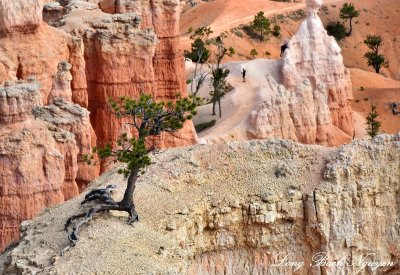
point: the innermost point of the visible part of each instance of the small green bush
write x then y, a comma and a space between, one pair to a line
276, 30
337, 30
202, 126
253, 53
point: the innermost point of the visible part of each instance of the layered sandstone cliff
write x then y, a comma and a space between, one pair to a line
87, 57
31, 49
241, 213
131, 47
38, 160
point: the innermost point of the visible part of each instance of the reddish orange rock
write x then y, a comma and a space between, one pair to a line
85, 58
38, 163
125, 57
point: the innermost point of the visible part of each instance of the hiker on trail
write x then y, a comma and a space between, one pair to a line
283, 48
244, 75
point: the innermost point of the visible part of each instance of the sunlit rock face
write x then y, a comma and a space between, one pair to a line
312, 104
314, 59
243, 213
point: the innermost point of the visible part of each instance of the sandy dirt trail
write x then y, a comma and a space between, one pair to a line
241, 101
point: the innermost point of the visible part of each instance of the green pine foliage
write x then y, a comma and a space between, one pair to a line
200, 48
276, 30
219, 73
348, 12
374, 58
199, 51
262, 25
253, 53
337, 30
373, 125
205, 125
149, 119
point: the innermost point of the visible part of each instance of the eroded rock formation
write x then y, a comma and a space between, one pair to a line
21, 16
301, 114
84, 57
31, 49
38, 163
75, 119
130, 47
254, 204
313, 104
315, 56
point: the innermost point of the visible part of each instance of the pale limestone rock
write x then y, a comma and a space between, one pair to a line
272, 118
17, 101
340, 201
313, 104
314, 5
313, 70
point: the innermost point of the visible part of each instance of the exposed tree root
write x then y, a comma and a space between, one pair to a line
107, 203
102, 194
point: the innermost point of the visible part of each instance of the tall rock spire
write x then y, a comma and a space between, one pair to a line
315, 58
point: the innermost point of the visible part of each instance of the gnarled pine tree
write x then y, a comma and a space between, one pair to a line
149, 120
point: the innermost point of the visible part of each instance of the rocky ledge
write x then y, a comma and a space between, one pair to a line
236, 208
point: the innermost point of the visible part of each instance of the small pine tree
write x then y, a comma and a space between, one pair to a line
373, 125
219, 73
348, 12
261, 24
200, 53
253, 53
149, 120
374, 58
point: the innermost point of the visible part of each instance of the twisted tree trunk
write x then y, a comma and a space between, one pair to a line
131, 185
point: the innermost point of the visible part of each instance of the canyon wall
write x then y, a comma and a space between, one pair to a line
260, 207
38, 161
131, 47
82, 59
